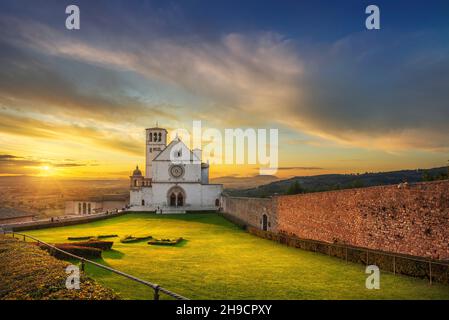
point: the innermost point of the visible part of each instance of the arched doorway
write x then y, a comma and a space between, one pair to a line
180, 201
172, 199
176, 197
264, 222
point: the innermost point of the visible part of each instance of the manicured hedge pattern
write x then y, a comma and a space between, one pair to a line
165, 242
84, 252
131, 239
102, 245
92, 237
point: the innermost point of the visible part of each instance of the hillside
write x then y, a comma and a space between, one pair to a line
340, 181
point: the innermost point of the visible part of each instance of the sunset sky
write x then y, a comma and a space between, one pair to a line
75, 103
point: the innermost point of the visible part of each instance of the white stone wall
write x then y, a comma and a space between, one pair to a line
192, 172
197, 195
136, 197
210, 193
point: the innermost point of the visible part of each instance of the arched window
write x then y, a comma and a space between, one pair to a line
143, 202
79, 207
160, 136
89, 208
84, 208
172, 200
135, 183
155, 137
217, 202
151, 137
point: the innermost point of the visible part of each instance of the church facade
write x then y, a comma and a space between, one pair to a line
176, 179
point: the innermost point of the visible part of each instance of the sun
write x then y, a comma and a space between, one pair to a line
45, 171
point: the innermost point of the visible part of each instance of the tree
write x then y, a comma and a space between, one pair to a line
295, 188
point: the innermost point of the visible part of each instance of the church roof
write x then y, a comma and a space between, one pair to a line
174, 146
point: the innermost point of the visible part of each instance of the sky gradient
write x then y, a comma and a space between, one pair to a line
74, 103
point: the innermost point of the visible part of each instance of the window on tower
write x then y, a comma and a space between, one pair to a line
151, 137
160, 137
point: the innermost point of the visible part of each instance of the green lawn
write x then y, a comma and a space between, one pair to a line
221, 261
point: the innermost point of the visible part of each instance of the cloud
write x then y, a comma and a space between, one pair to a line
234, 72
387, 92
381, 90
11, 164
87, 135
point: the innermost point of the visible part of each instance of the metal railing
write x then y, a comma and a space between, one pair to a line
157, 288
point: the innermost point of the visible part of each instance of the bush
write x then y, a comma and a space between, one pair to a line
130, 238
84, 252
102, 245
80, 238
107, 236
165, 242
92, 237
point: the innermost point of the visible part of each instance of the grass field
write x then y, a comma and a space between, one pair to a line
220, 261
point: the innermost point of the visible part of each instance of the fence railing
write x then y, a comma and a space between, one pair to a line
156, 288
395, 262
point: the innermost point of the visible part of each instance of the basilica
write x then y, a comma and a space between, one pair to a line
176, 179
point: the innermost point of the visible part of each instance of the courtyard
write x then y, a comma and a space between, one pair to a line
219, 260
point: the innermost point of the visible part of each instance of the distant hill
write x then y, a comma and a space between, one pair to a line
232, 182
328, 182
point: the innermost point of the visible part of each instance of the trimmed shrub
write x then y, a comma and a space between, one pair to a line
130, 238
80, 238
84, 252
165, 242
107, 236
102, 245
92, 237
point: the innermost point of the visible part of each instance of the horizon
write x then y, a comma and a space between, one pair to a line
346, 100
54, 177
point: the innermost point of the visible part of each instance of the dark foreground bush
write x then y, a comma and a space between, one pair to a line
84, 252
102, 245
29, 273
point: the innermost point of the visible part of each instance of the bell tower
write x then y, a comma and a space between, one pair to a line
156, 142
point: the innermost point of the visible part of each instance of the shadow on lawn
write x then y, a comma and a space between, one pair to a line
113, 254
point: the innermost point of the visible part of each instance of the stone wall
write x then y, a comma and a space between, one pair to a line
250, 211
412, 219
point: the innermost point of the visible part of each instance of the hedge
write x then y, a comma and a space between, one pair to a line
84, 252
102, 245
92, 237
130, 238
165, 242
